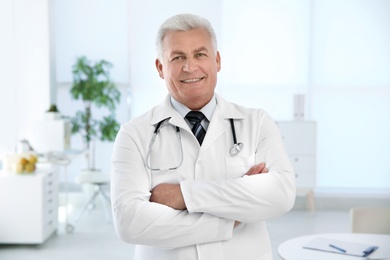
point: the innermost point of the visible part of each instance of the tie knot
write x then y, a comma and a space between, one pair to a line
195, 116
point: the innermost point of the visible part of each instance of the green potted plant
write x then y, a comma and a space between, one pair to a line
93, 86
52, 113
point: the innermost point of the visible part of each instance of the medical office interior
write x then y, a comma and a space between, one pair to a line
321, 69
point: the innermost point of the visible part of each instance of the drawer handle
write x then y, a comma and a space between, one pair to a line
50, 200
50, 183
50, 222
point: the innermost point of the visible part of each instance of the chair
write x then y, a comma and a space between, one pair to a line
98, 181
375, 220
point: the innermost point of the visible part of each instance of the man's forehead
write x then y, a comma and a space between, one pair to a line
193, 39
187, 50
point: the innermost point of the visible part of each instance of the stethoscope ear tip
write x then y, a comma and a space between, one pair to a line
237, 147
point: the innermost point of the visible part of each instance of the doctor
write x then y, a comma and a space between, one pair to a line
178, 198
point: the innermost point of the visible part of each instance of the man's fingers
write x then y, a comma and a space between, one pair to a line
251, 170
257, 169
261, 167
254, 169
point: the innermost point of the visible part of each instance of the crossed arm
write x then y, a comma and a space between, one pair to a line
171, 195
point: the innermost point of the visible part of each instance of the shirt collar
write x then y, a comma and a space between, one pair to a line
207, 110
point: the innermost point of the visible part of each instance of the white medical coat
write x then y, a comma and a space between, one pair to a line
211, 179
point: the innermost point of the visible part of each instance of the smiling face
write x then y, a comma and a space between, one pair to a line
189, 67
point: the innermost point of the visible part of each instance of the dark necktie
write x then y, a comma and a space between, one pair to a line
195, 118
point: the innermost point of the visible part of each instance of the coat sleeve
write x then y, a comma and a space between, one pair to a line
139, 221
250, 198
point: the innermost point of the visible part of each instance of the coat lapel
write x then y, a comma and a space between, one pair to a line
220, 122
164, 111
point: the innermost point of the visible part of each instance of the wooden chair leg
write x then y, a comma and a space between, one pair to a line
310, 201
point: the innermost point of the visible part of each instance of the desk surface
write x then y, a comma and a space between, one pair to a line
293, 249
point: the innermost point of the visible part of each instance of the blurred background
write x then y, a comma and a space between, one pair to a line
335, 54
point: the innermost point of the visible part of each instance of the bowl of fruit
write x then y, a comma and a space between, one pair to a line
25, 163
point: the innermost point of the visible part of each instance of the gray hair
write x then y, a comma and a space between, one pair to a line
183, 22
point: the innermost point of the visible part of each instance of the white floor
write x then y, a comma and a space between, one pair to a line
95, 238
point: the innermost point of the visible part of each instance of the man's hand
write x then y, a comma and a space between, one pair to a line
169, 195
257, 169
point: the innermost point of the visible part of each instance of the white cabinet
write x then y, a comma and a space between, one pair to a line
28, 206
300, 140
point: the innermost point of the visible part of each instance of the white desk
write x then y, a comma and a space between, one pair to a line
293, 249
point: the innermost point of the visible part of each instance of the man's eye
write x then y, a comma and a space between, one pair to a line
177, 58
199, 55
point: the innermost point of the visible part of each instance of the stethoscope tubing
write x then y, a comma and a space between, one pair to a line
156, 130
233, 131
236, 148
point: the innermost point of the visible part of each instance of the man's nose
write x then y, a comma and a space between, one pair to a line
190, 65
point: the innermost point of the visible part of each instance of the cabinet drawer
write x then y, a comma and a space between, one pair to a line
49, 226
50, 182
305, 179
50, 192
303, 163
299, 137
49, 201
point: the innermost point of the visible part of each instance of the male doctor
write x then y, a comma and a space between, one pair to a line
198, 186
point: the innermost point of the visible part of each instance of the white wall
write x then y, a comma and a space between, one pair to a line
265, 54
24, 68
351, 92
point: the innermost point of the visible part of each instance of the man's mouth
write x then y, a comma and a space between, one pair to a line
191, 80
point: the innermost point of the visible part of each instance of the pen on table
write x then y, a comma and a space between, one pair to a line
338, 248
369, 250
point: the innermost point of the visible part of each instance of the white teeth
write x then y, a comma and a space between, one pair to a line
191, 80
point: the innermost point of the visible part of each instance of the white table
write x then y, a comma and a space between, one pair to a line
293, 249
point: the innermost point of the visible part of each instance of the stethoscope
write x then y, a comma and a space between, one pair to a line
236, 148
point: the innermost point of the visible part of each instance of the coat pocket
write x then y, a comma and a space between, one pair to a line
237, 166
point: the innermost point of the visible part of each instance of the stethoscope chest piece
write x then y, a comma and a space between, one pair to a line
237, 147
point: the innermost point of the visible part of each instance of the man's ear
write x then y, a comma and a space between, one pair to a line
159, 68
218, 60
